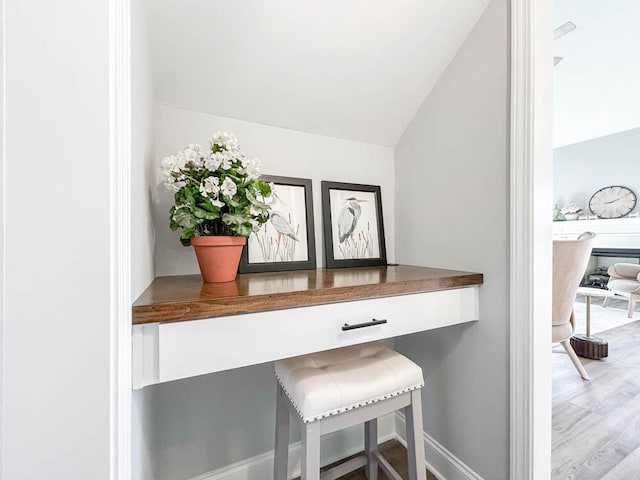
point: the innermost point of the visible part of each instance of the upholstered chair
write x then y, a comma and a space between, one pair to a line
624, 279
570, 259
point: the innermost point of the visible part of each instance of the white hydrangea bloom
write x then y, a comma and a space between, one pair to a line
228, 188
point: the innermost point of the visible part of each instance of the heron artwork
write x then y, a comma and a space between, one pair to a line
282, 246
282, 225
353, 245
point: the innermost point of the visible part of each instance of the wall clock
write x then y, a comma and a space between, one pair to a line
612, 202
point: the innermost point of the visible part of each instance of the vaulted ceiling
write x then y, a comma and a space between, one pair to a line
596, 85
356, 69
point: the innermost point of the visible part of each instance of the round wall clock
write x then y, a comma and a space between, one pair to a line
612, 202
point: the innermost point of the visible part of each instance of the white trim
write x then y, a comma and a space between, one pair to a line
530, 266
3, 203
120, 241
333, 447
441, 462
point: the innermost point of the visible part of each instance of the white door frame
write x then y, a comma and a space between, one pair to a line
531, 246
531, 204
120, 84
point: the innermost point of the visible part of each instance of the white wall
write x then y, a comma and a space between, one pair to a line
330, 67
452, 203
581, 169
56, 353
200, 424
142, 154
282, 152
596, 85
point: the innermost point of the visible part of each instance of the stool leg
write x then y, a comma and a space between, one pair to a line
371, 447
415, 443
280, 459
310, 461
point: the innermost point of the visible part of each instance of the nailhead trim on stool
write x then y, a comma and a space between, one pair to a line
336, 389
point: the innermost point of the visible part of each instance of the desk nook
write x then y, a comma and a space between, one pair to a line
183, 327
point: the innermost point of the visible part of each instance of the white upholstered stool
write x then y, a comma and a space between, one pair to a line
336, 389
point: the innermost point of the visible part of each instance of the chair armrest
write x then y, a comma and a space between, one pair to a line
624, 270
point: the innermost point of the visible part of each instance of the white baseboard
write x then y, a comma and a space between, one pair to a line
440, 461
343, 443
334, 446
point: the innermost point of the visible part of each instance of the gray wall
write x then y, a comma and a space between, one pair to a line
452, 201
581, 169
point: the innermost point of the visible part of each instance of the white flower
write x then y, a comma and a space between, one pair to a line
193, 154
167, 167
225, 140
251, 168
213, 161
210, 187
217, 203
226, 161
174, 186
255, 211
228, 188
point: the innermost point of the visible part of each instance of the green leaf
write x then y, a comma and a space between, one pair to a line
244, 230
185, 219
185, 237
263, 187
207, 206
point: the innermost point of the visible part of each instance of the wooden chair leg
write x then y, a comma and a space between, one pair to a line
576, 361
370, 448
281, 456
415, 443
310, 461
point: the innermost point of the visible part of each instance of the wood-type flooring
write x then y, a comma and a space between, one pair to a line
596, 423
395, 454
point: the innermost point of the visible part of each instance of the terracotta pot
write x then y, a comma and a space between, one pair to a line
218, 257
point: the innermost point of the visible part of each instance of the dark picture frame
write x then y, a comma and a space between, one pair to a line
286, 239
348, 241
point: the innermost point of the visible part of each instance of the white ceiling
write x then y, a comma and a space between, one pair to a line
356, 69
597, 85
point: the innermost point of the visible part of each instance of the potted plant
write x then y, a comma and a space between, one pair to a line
219, 201
571, 211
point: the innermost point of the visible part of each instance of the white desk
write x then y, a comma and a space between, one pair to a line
183, 328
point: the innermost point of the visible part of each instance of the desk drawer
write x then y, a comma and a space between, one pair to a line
190, 348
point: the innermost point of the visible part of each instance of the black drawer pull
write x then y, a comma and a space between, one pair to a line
372, 323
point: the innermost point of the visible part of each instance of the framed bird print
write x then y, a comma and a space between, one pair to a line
287, 240
353, 225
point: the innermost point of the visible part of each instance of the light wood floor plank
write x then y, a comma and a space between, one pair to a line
596, 424
627, 469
